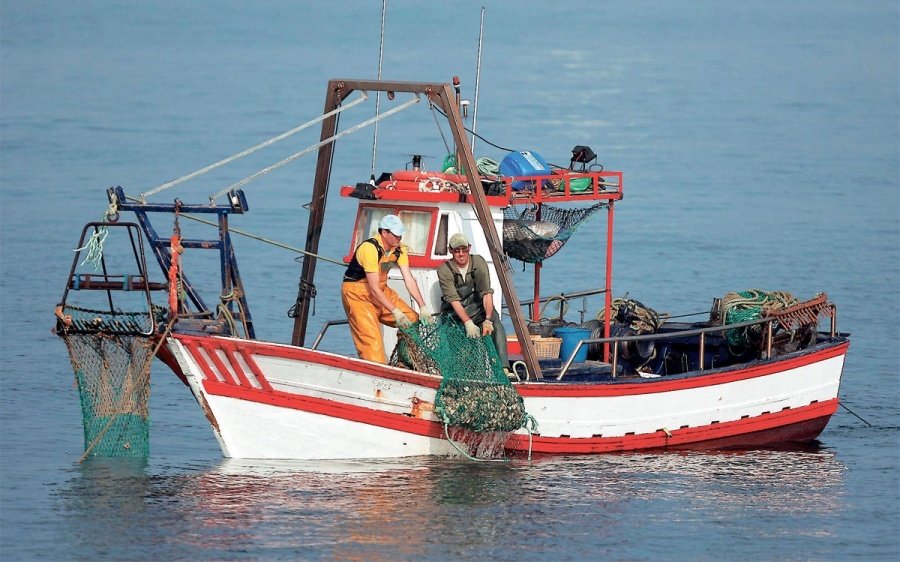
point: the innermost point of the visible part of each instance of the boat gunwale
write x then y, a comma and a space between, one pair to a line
835, 347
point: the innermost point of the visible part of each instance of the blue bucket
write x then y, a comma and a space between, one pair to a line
570, 338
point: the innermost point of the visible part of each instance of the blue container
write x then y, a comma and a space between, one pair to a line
570, 338
524, 163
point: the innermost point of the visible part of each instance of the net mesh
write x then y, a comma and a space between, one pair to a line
112, 372
475, 393
532, 240
751, 304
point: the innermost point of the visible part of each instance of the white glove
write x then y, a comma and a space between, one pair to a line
472, 330
401, 319
487, 327
425, 314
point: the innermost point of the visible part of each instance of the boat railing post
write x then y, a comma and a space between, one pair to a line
769, 339
570, 360
615, 358
702, 348
833, 321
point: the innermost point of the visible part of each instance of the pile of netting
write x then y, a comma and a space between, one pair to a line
111, 360
532, 240
636, 315
749, 305
475, 393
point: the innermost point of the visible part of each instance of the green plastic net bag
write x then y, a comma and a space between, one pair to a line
475, 393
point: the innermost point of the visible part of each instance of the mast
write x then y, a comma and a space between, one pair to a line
466, 160
333, 98
441, 95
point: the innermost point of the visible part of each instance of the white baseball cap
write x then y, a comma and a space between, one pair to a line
392, 223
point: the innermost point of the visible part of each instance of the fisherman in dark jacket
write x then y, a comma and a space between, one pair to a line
466, 292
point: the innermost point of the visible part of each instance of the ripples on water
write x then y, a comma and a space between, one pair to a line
759, 143
571, 507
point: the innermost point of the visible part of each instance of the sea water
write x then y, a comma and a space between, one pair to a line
759, 143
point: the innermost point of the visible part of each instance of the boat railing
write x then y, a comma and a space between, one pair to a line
564, 296
325, 326
558, 186
769, 321
829, 310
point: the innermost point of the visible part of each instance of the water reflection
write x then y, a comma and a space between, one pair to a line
389, 510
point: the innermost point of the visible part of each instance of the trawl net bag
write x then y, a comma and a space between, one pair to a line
475, 393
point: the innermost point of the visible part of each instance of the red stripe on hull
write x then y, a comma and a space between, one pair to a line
247, 347
795, 424
349, 412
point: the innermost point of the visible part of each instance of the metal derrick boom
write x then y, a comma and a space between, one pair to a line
441, 95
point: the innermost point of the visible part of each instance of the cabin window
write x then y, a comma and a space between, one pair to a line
418, 226
440, 241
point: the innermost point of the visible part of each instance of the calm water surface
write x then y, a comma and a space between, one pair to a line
760, 149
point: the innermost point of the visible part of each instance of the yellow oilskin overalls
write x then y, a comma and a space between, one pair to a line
363, 311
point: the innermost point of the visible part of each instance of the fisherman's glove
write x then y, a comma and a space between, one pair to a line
401, 319
487, 327
425, 315
472, 330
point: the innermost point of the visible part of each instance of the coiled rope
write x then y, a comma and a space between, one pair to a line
749, 305
94, 245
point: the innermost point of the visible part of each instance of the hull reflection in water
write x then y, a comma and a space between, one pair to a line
425, 506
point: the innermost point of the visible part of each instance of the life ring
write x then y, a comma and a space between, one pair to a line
423, 175
422, 180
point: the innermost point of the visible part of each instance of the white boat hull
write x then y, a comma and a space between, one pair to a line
266, 400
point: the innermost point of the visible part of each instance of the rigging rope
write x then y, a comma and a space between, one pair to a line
497, 146
309, 149
253, 149
438, 124
259, 238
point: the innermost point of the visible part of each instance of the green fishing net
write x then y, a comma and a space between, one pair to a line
475, 393
112, 371
751, 304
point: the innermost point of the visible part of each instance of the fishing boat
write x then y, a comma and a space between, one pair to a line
625, 379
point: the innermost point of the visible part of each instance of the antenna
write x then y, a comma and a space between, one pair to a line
477, 78
378, 94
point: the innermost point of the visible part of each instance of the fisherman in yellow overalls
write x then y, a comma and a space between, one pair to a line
367, 298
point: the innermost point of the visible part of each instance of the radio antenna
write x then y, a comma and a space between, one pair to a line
378, 94
477, 78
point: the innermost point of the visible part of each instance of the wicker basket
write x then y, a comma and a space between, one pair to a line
546, 347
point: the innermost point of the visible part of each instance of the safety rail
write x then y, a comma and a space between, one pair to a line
562, 296
123, 282
325, 326
615, 341
600, 188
